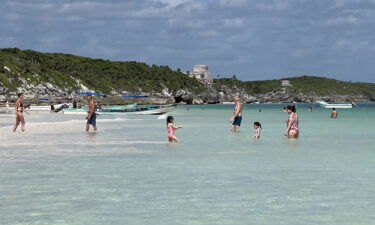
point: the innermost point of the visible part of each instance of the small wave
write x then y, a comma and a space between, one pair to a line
117, 119
162, 117
59, 122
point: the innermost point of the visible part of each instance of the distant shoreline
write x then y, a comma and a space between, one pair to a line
60, 76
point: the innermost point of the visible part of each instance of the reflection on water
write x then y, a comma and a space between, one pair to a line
293, 142
91, 134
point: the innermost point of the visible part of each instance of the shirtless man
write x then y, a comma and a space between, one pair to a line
334, 113
19, 113
91, 117
237, 115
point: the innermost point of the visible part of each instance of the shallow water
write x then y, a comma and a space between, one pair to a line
55, 173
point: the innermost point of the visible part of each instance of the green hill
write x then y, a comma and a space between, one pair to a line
68, 72
325, 86
308, 85
63, 74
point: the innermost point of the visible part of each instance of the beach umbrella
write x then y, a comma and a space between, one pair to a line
92, 94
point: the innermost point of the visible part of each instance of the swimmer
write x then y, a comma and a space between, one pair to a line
310, 109
334, 113
91, 116
258, 130
292, 130
19, 113
237, 115
171, 129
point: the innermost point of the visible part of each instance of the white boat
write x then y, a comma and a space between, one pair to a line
35, 108
119, 107
47, 108
155, 110
336, 105
131, 110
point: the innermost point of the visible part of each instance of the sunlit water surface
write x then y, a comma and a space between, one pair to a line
126, 173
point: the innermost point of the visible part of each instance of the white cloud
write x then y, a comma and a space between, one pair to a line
349, 19
342, 20
234, 22
208, 33
109, 10
273, 6
180, 33
181, 23
234, 3
357, 45
94, 46
302, 52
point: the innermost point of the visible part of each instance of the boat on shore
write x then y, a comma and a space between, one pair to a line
128, 110
47, 108
36, 108
154, 110
336, 105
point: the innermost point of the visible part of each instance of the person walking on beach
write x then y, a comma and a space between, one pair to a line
334, 113
237, 115
91, 117
171, 129
258, 130
292, 130
19, 113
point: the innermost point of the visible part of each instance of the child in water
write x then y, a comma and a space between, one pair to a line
171, 128
258, 130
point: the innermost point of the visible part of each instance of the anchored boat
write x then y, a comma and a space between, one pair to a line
127, 109
336, 105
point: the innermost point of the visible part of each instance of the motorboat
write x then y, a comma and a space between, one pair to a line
336, 105
47, 108
128, 109
36, 108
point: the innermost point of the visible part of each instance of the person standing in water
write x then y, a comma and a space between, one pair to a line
258, 130
310, 109
236, 119
91, 117
19, 113
171, 129
52, 108
292, 130
334, 113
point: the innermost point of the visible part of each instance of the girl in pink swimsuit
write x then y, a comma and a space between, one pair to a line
171, 128
292, 130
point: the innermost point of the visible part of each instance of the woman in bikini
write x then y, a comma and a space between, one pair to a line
19, 113
292, 130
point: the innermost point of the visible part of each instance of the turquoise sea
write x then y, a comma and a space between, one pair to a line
127, 173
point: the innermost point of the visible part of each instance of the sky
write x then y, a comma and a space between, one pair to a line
252, 39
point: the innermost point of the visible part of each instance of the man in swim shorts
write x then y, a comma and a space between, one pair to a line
91, 117
236, 119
